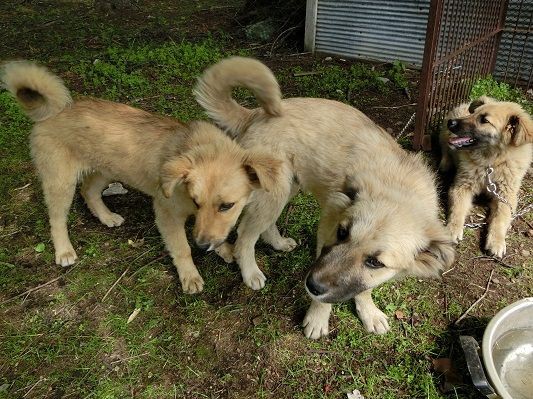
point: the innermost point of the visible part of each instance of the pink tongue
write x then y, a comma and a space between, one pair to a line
459, 140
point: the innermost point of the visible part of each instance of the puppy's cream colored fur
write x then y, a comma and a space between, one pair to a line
379, 203
187, 169
497, 134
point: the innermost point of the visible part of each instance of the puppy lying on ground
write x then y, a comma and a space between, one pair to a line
379, 203
477, 136
187, 169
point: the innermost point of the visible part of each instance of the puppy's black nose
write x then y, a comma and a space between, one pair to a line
314, 287
202, 245
453, 125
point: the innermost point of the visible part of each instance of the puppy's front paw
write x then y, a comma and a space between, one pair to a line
285, 244
374, 320
254, 278
316, 324
192, 283
456, 232
66, 257
495, 246
112, 219
225, 251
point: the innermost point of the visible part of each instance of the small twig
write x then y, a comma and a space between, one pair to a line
129, 358
149, 263
23, 187
448, 271
41, 379
395, 107
10, 234
297, 54
493, 258
477, 301
297, 74
281, 34
522, 218
32, 290
115, 283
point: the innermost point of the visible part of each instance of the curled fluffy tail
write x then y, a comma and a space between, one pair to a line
213, 91
41, 93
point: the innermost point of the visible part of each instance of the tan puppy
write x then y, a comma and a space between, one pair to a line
379, 203
486, 133
187, 169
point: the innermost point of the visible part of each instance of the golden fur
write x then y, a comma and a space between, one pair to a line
379, 203
187, 169
497, 134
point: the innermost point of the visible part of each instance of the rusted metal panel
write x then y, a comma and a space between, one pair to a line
461, 42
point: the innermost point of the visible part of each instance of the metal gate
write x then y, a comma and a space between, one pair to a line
462, 40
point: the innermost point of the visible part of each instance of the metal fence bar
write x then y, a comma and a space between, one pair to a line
461, 45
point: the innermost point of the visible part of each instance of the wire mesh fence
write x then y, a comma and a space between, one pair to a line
462, 44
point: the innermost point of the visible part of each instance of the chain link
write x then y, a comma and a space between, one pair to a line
406, 126
493, 189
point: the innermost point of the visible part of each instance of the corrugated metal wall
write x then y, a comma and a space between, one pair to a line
396, 30
513, 44
375, 30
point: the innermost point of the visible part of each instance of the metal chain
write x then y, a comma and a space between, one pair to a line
493, 189
406, 126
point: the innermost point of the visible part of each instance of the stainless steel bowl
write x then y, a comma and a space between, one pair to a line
507, 353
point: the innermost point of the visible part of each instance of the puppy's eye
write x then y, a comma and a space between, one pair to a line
483, 119
195, 203
342, 233
226, 206
373, 263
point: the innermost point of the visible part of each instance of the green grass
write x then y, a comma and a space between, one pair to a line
228, 341
501, 91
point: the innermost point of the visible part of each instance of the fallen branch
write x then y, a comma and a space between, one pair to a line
115, 283
477, 301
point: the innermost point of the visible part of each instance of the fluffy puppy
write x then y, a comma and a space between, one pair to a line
187, 169
379, 203
486, 133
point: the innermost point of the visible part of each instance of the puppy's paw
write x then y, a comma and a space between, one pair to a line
316, 324
66, 257
192, 283
456, 232
495, 246
374, 320
111, 219
225, 251
254, 278
285, 244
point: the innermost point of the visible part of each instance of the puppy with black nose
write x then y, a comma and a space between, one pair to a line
486, 137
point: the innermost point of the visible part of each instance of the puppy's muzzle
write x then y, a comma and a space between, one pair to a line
207, 245
453, 125
314, 287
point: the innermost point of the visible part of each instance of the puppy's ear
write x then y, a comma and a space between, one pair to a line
173, 172
479, 102
263, 170
437, 257
521, 129
475, 104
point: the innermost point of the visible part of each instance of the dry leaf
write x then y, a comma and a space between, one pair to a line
133, 315
399, 315
136, 243
355, 394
